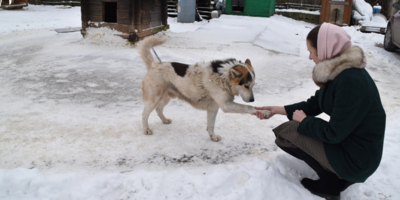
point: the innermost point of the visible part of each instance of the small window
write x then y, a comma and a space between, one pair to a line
110, 12
238, 5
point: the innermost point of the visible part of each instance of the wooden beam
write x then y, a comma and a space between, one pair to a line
164, 12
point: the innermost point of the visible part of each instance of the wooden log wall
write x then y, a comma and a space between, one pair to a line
151, 14
138, 18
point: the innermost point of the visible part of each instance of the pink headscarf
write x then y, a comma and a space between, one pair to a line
332, 40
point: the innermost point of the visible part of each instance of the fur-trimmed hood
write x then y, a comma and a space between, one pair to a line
328, 70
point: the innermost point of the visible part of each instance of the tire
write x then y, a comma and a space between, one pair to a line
387, 43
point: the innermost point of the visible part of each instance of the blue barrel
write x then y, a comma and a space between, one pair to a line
186, 11
377, 9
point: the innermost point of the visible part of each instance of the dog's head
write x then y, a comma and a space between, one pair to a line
243, 80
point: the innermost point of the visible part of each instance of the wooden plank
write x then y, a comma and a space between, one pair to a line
121, 14
131, 16
95, 10
123, 5
96, 14
121, 20
155, 23
18, 5
347, 13
152, 7
155, 15
96, 6
145, 25
96, 18
339, 3
138, 16
85, 12
68, 30
164, 12
325, 10
100, 1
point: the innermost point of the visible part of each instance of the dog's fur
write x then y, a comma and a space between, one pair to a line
206, 86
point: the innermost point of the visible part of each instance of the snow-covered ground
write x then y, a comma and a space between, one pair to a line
70, 113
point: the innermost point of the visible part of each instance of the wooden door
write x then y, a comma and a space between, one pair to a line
336, 12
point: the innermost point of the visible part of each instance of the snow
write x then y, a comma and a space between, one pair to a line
364, 8
364, 12
378, 20
298, 11
70, 112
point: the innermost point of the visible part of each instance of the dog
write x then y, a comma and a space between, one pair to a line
206, 86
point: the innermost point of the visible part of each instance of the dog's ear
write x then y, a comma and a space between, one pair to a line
248, 64
235, 73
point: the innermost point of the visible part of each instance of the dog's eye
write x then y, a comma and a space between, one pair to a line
246, 86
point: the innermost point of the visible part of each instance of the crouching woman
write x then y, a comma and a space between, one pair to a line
348, 148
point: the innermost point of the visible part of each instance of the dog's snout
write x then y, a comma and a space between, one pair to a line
251, 100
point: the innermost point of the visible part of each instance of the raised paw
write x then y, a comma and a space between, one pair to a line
167, 121
215, 138
148, 131
265, 112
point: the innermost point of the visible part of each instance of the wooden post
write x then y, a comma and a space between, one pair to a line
164, 12
85, 13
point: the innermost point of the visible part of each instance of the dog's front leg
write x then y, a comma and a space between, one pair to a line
211, 116
227, 105
232, 107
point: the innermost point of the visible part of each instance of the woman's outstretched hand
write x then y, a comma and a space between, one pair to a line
273, 109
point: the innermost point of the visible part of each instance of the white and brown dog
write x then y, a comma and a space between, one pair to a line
206, 86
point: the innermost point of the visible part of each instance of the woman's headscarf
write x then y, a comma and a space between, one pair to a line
332, 40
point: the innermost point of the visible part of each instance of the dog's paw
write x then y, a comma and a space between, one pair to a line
265, 112
167, 121
215, 138
148, 132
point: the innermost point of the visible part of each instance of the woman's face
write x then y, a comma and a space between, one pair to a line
313, 52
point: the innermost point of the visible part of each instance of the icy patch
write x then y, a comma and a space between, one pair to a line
81, 86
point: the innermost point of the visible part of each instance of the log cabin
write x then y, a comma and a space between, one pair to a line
136, 19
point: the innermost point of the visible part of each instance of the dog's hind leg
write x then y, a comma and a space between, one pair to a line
148, 108
160, 108
211, 116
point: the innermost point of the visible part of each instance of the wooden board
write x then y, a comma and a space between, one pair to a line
17, 5
68, 30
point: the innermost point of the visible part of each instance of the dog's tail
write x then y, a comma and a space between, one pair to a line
145, 47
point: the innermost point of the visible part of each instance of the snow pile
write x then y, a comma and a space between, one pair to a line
363, 11
364, 8
378, 20
104, 36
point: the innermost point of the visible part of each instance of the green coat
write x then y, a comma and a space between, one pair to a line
353, 137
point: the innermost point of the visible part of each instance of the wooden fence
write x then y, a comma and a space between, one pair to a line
299, 4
